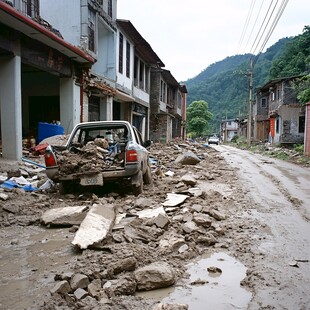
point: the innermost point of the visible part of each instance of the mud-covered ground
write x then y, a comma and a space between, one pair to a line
218, 215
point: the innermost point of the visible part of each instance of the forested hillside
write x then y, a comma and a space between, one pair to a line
224, 85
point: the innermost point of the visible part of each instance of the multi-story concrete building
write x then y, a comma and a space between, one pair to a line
40, 75
277, 102
92, 27
229, 129
136, 59
88, 67
168, 102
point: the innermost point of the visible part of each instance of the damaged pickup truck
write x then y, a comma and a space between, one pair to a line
97, 153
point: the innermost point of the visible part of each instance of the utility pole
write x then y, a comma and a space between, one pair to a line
249, 128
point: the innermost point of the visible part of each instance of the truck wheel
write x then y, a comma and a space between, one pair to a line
137, 185
68, 187
147, 177
64, 187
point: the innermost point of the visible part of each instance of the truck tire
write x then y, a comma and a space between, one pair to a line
147, 177
137, 185
63, 188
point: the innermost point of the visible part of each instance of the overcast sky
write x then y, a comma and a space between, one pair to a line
188, 36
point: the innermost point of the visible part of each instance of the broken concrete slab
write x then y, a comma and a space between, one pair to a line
174, 200
151, 213
96, 226
64, 216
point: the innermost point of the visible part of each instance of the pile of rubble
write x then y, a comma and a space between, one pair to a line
128, 244
135, 244
95, 156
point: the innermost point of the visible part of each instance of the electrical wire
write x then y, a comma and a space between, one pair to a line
250, 35
246, 24
259, 40
271, 29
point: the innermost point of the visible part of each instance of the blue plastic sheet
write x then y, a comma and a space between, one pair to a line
10, 184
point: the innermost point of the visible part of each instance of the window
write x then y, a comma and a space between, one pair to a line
277, 125
30, 8
120, 56
135, 71
141, 75
264, 103
278, 94
91, 29
127, 59
147, 78
110, 8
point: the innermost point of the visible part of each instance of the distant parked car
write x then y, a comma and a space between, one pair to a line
213, 140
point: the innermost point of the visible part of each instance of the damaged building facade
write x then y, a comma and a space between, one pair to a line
40, 75
89, 67
119, 83
277, 113
168, 106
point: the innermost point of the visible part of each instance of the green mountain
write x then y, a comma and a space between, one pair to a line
224, 85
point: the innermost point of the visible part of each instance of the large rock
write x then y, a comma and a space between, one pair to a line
154, 276
79, 280
189, 180
171, 242
62, 287
188, 158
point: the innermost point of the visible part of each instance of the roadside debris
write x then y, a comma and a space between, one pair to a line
132, 243
96, 225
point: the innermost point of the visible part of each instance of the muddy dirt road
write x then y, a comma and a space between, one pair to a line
281, 191
240, 239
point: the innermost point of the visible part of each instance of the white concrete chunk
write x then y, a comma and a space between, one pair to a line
96, 226
173, 200
64, 216
150, 213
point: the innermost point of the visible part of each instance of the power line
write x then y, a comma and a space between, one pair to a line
253, 51
250, 35
272, 27
246, 24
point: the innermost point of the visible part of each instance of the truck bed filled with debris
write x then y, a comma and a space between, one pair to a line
95, 156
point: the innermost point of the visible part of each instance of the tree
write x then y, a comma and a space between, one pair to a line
198, 117
302, 87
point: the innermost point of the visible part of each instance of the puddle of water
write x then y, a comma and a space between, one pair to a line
29, 259
220, 290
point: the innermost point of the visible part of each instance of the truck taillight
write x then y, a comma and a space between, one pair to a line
50, 160
131, 156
